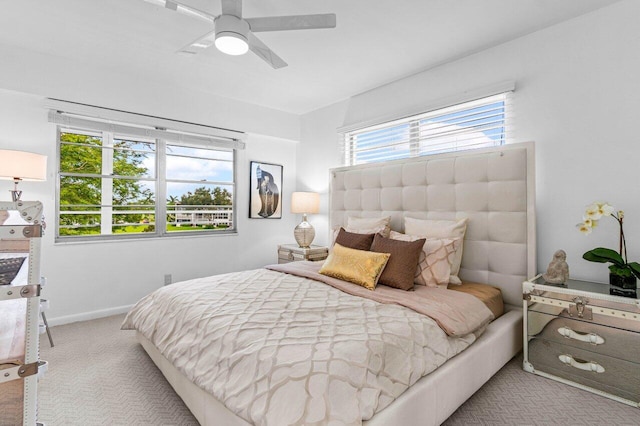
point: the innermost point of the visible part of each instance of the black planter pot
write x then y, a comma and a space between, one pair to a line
622, 282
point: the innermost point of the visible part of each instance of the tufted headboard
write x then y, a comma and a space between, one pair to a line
492, 187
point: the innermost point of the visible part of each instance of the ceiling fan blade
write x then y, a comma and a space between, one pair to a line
200, 44
185, 9
232, 7
260, 49
298, 22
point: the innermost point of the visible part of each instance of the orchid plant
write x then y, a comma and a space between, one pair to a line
619, 265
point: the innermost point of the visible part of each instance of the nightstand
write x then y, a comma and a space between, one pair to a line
292, 253
584, 334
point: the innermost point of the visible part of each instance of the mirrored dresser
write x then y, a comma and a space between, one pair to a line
584, 334
293, 253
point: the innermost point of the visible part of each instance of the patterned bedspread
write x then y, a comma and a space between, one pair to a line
278, 349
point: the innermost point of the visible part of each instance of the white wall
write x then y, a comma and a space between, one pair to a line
318, 151
577, 97
87, 280
113, 86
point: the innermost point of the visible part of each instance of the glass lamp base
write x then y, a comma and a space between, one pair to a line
304, 234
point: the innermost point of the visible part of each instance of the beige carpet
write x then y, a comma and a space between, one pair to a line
99, 375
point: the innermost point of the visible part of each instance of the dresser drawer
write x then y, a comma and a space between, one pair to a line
618, 343
285, 256
608, 374
290, 253
586, 309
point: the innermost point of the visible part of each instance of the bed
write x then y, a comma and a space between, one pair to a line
492, 188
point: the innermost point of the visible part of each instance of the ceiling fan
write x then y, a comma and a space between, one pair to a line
233, 34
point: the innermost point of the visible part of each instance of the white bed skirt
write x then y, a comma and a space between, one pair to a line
428, 402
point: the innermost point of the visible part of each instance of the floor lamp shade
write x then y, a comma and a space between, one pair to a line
305, 203
21, 165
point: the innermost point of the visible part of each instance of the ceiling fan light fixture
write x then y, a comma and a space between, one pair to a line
232, 35
231, 43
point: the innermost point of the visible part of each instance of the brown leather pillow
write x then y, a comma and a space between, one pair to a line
354, 241
401, 267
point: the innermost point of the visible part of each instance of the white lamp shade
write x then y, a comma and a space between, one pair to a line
305, 202
22, 165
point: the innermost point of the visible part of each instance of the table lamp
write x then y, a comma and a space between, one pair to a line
21, 165
305, 203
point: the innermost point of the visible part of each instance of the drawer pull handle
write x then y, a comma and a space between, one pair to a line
592, 338
581, 365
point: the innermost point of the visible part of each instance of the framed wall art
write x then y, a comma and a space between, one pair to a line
265, 191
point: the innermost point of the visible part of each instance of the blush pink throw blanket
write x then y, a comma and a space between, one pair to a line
456, 313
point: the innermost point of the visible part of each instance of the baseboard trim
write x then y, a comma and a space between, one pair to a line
86, 316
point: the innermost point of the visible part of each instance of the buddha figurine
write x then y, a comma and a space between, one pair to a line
558, 269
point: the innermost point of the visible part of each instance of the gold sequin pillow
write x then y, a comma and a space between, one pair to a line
434, 264
356, 266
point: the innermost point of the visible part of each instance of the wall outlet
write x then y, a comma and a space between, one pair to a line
167, 279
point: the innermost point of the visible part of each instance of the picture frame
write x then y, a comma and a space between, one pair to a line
265, 190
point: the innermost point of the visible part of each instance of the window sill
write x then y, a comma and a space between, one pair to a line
165, 237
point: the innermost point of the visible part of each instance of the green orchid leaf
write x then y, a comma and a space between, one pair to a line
604, 255
593, 258
635, 268
621, 271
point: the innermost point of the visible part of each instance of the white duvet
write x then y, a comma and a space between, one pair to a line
280, 349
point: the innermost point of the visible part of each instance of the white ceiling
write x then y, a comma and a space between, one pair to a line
375, 42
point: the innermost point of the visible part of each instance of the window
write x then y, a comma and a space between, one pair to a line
121, 181
476, 124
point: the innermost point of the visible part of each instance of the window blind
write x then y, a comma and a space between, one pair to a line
83, 116
475, 124
175, 136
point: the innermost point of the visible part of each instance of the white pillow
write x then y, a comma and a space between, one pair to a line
434, 264
428, 228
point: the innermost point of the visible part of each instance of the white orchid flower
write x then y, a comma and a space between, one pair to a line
584, 228
590, 222
593, 212
605, 209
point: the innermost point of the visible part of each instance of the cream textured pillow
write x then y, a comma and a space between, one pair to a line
369, 225
434, 263
365, 225
440, 229
356, 266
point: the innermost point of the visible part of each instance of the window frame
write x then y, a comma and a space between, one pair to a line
160, 210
